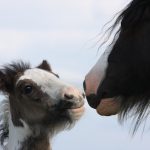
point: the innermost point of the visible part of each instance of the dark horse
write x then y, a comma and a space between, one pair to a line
120, 81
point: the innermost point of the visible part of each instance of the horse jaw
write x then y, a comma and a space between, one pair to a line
108, 107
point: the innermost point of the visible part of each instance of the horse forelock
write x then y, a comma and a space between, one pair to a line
134, 13
131, 16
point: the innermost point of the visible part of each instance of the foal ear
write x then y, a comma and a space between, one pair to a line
45, 66
3, 82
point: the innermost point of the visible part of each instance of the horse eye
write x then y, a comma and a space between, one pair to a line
28, 89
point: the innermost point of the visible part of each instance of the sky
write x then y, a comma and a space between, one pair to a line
67, 34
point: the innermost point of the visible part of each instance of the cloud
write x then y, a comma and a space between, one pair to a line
47, 14
10, 39
108, 8
37, 14
62, 48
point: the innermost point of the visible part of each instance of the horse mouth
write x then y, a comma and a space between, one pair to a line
109, 101
105, 104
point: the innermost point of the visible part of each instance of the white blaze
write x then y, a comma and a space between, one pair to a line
48, 83
96, 74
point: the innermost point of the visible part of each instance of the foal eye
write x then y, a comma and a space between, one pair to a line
28, 89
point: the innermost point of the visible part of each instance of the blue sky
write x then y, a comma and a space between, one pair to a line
65, 32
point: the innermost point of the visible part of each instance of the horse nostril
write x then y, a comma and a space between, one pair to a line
84, 85
69, 96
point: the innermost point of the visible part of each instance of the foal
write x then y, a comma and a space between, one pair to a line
38, 105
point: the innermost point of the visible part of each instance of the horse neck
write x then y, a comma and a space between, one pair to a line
23, 138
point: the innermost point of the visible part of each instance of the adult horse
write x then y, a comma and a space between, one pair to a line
120, 80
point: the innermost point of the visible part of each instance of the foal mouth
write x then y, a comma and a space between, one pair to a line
71, 104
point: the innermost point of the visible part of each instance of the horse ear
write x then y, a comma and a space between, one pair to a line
45, 66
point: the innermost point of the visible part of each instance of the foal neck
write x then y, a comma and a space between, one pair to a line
23, 138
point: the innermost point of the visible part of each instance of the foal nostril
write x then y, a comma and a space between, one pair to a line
68, 96
83, 94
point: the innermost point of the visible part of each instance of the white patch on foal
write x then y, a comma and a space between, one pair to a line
17, 135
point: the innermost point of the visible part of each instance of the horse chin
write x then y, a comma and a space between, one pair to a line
108, 107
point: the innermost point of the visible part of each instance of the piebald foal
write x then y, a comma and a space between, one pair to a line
38, 105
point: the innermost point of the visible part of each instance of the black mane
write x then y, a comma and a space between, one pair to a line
15, 67
11, 71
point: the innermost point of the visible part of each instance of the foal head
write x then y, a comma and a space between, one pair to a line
120, 81
39, 98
